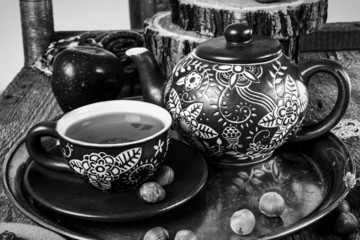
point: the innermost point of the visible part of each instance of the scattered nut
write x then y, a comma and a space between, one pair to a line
344, 206
242, 222
272, 204
157, 233
164, 176
185, 235
346, 223
151, 192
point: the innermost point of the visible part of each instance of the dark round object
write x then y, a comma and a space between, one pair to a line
84, 75
239, 46
346, 223
344, 206
238, 34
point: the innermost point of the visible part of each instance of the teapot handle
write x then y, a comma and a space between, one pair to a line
343, 97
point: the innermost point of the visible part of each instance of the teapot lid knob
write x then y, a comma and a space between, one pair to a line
238, 33
239, 46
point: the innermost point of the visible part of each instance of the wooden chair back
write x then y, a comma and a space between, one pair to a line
37, 23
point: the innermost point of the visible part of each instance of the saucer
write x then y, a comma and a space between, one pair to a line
307, 174
67, 194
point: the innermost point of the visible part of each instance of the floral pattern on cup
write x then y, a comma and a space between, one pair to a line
102, 169
110, 166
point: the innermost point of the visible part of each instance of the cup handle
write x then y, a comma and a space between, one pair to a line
38, 153
343, 98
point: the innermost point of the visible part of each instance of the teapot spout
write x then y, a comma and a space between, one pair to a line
151, 78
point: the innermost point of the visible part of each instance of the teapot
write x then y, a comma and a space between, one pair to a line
237, 98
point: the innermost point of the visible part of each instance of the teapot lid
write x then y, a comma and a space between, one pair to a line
238, 45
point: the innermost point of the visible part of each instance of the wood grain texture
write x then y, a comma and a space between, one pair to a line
323, 88
333, 36
281, 19
25, 102
37, 27
168, 42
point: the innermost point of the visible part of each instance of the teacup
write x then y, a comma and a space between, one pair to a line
113, 145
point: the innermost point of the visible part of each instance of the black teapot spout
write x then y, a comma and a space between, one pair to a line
152, 80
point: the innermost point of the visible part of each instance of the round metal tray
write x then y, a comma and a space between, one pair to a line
308, 175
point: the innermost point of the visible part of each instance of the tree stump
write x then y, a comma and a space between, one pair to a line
284, 20
280, 19
168, 42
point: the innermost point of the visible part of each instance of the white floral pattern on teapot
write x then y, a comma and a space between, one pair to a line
237, 98
243, 112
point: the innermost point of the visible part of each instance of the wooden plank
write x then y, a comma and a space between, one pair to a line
332, 37
25, 102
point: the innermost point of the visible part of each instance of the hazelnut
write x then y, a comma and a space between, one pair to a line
344, 206
242, 222
185, 235
164, 176
271, 204
346, 223
151, 192
157, 233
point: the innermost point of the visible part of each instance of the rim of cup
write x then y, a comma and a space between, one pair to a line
111, 107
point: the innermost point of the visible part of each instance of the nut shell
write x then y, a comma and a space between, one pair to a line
185, 235
242, 222
164, 176
272, 204
344, 206
346, 223
156, 233
152, 192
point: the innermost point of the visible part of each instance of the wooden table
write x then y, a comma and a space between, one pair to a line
29, 99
